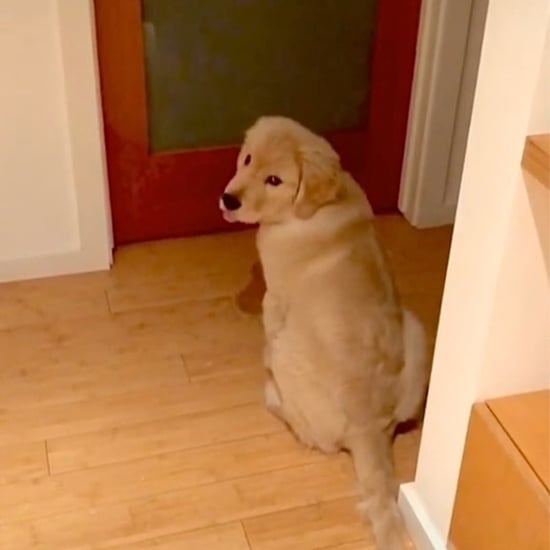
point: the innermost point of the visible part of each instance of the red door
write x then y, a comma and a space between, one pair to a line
170, 150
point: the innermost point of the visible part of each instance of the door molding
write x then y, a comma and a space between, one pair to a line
449, 46
79, 92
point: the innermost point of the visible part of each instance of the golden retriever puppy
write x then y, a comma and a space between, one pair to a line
346, 363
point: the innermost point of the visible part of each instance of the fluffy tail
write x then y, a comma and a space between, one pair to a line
372, 459
414, 376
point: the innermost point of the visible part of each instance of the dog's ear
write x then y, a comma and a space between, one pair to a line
319, 167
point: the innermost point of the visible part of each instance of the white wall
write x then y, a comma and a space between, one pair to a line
37, 200
53, 200
518, 346
493, 333
539, 122
517, 354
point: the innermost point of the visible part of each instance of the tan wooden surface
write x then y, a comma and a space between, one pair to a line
536, 157
131, 410
500, 503
526, 419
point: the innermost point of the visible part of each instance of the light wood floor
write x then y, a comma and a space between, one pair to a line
131, 413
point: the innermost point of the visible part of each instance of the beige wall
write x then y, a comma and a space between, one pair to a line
37, 200
540, 114
53, 208
493, 334
518, 345
517, 355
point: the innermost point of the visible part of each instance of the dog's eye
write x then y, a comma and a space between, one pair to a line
273, 180
247, 160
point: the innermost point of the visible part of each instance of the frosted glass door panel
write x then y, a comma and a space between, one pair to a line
214, 66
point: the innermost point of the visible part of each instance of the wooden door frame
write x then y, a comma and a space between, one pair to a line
86, 135
81, 74
125, 105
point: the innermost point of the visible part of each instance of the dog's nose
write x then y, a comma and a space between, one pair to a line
231, 202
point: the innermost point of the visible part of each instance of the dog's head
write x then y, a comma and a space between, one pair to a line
283, 171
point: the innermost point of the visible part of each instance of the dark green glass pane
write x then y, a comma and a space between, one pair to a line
214, 66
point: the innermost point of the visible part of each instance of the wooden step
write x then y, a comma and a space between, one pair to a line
536, 158
536, 180
502, 499
526, 420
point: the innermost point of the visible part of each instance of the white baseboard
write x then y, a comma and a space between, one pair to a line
57, 264
421, 529
423, 216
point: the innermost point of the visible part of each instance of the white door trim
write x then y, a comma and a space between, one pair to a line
84, 121
449, 44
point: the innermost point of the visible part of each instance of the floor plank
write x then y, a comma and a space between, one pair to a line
152, 475
81, 380
183, 510
358, 545
76, 529
186, 269
196, 326
44, 301
127, 408
309, 528
151, 438
247, 497
23, 462
218, 537
202, 365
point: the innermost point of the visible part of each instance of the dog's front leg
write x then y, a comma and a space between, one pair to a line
273, 321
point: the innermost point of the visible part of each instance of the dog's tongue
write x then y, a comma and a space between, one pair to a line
227, 216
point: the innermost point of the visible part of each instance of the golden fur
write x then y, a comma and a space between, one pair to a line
346, 362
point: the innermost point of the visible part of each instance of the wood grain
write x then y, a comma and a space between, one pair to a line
175, 193
500, 503
182, 510
26, 461
536, 158
116, 411
526, 419
151, 475
308, 528
141, 425
172, 433
219, 537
